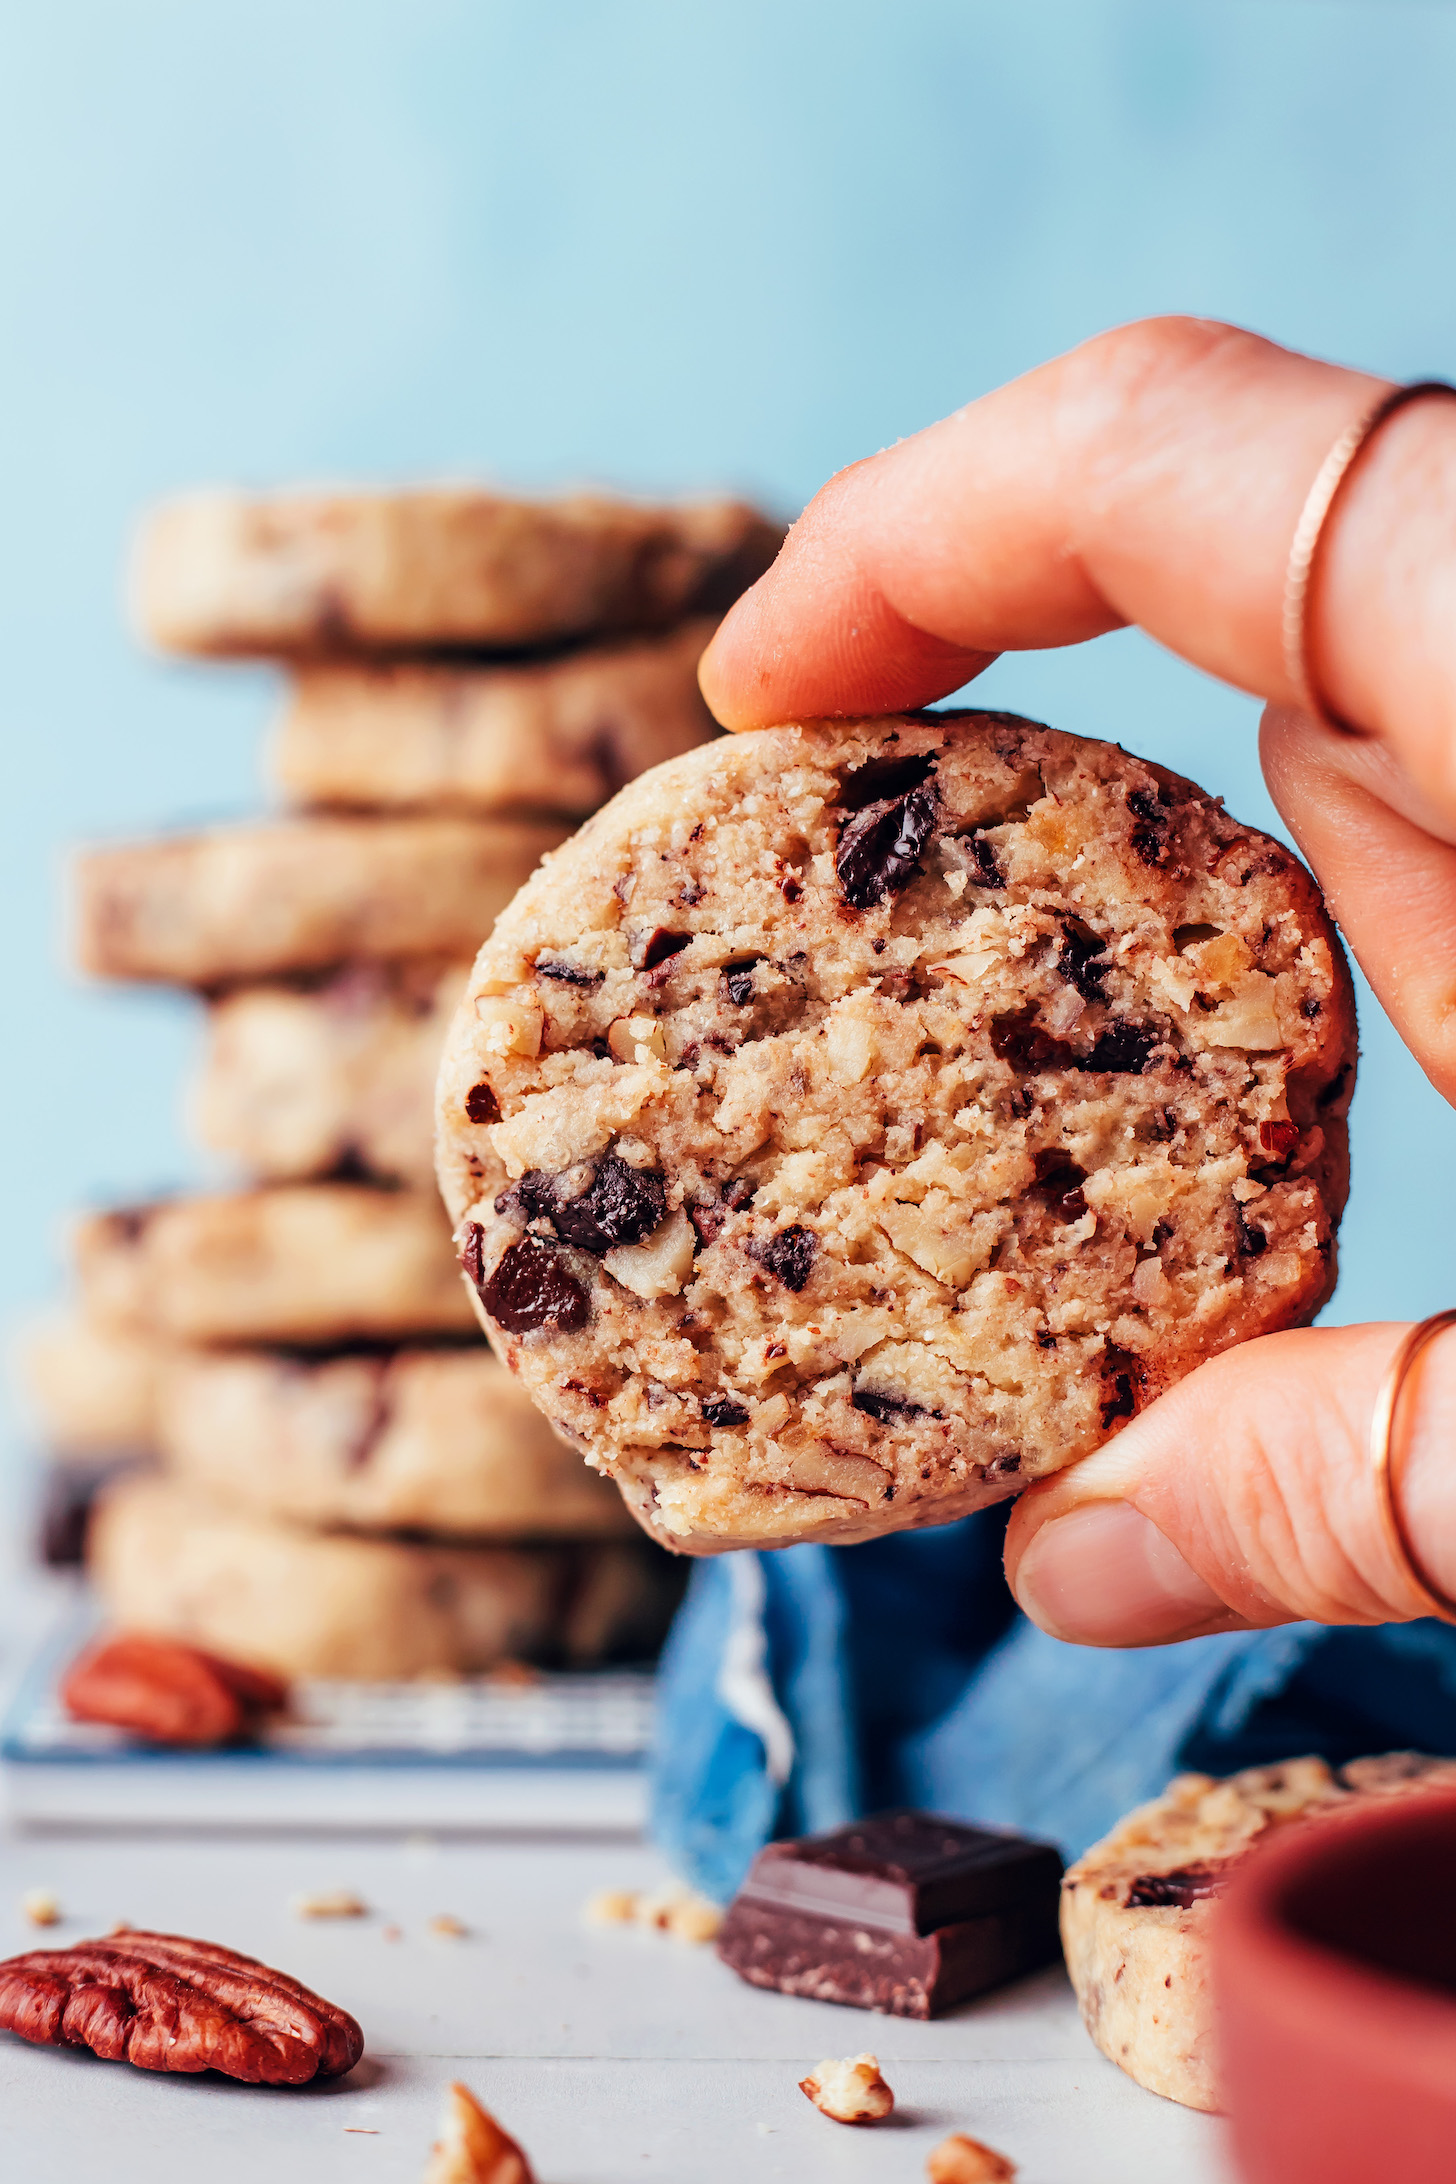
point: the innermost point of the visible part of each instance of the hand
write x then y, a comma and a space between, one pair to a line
1155, 476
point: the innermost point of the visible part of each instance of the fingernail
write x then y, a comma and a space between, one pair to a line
1104, 1575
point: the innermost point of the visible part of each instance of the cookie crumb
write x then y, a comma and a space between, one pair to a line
448, 1927
850, 2090
330, 1903
963, 2160
612, 1907
40, 1907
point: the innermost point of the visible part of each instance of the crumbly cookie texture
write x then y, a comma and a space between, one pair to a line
251, 902
448, 569
302, 1263
561, 734
305, 1603
856, 1121
1136, 1907
327, 1076
433, 1440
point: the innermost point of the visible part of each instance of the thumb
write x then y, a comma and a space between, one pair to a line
1246, 1497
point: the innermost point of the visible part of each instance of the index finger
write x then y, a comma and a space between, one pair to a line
1153, 476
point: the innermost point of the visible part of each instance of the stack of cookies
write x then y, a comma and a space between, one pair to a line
346, 1483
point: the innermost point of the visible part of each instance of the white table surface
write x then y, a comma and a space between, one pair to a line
612, 2054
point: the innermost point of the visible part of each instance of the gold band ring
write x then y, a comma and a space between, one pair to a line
1309, 535
1382, 1428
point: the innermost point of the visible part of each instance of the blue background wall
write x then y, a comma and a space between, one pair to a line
732, 242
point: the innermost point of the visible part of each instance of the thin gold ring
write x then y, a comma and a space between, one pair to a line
1382, 1427
1309, 536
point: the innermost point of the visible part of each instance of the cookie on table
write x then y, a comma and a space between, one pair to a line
1137, 1907
94, 1388
561, 734
435, 1440
433, 569
857, 1121
259, 901
330, 1075
306, 1603
305, 1264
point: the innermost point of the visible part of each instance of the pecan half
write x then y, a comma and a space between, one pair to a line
168, 1693
472, 2148
163, 2002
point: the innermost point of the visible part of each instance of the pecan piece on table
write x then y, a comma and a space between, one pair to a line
163, 2002
169, 1693
472, 2148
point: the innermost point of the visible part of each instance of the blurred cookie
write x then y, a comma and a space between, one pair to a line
561, 734
306, 1264
94, 1386
260, 901
1137, 1907
858, 1121
331, 1604
329, 1076
431, 1440
442, 569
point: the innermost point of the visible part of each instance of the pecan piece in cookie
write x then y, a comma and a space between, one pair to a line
163, 2002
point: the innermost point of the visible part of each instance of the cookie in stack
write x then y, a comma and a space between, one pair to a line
349, 1483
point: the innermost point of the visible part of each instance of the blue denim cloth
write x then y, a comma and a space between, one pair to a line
804, 1687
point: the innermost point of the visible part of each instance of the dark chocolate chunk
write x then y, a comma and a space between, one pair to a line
567, 974
1253, 1242
738, 980
620, 1205
481, 1104
1124, 1378
722, 1410
887, 1407
905, 1913
884, 778
1083, 960
1187, 1886
533, 1289
1150, 836
1122, 1050
788, 1255
658, 947
471, 1251
1059, 1184
1020, 1040
880, 850
984, 868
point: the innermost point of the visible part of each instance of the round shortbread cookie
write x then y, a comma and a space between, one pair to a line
251, 902
308, 1603
306, 1264
1136, 1908
561, 734
428, 1440
330, 1076
449, 569
94, 1388
854, 1122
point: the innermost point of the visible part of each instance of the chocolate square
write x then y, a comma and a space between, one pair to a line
904, 1913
